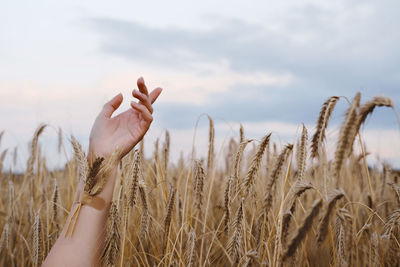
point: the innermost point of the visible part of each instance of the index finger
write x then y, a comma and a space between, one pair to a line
142, 87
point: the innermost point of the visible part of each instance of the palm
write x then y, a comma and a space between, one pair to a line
125, 130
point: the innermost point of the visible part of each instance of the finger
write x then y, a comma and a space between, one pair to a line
112, 105
142, 87
143, 110
154, 94
143, 99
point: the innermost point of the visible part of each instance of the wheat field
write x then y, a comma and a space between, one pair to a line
255, 205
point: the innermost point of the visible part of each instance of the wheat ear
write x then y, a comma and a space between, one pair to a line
191, 244
365, 110
135, 178
322, 124
113, 239
274, 176
199, 176
37, 241
299, 189
80, 156
302, 153
227, 204
302, 230
346, 132
255, 163
168, 217
324, 223
234, 244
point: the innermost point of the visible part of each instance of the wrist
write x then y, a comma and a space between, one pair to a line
98, 151
109, 165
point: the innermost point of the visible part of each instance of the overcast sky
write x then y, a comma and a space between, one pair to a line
266, 64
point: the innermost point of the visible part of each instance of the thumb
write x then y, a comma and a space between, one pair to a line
112, 105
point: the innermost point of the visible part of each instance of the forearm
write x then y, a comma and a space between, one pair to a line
85, 246
108, 135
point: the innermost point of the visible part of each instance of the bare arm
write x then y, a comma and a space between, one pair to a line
123, 131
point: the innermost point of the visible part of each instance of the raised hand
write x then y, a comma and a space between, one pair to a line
125, 130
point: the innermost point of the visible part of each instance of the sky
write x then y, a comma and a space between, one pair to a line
268, 65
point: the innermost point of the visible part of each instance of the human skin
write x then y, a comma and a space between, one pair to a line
123, 131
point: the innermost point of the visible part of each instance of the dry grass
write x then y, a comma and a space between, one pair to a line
262, 208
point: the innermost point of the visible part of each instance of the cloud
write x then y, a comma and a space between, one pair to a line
352, 46
242, 71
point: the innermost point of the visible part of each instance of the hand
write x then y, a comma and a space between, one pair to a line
125, 130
